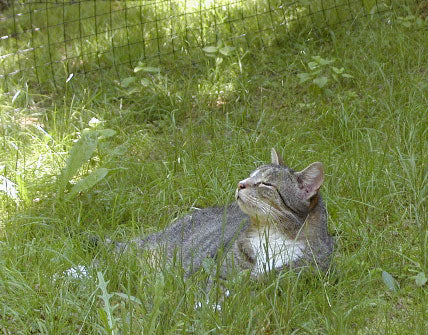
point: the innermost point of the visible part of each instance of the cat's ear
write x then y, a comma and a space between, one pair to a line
275, 158
310, 180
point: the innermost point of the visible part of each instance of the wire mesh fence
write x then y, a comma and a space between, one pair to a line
46, 43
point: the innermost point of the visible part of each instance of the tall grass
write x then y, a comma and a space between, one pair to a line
183, 139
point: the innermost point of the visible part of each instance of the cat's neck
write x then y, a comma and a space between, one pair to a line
294, 227
316, 222
287, 225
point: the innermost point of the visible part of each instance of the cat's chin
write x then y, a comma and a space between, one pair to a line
241, 204
246, 209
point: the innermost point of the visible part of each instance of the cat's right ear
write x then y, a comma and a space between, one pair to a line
310, 180
275, 158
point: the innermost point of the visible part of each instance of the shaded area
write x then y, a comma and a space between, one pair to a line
46, 43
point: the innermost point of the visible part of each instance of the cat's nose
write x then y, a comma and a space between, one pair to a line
243, 184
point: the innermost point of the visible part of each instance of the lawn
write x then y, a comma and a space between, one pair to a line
181, 133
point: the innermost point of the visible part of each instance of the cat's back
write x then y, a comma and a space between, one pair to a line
200, 234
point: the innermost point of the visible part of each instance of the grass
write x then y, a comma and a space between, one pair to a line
184, 139
88, 37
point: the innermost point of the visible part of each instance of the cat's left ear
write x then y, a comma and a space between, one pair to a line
275, 158
310, 180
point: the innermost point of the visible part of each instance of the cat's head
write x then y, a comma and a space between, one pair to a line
275, 191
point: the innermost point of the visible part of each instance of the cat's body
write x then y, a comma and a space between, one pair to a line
278, 221
197, 236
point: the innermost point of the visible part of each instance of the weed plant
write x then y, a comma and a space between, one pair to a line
182, 134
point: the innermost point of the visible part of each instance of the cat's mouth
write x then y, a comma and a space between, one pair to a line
239, 199
249, 206
256, 206
245, 202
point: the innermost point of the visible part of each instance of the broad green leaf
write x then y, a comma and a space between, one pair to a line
345, 75
304, 77
106, 314
420, 22
328, 92
102, 285
313, 65
105, 133
320, 81
148, 69
227, 50
87, 182
80, 153
351, 94
127, 81
316, 58
406, 24
322, 61
210, 49
389, 281
306, 105
119, 150
138, 68
420, 279
326, 61
218, 60
145, 82
337, 70
151, 69
373, 10
132, 90
128, 297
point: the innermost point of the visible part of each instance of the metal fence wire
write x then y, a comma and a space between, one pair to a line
45, 43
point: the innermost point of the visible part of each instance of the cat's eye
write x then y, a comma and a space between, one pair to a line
266, 184
276, 189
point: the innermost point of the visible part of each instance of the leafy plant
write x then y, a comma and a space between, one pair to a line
218, 53
417, 268
106, 312
321, 72
87, 182
219, 73
412, 21
420, 279
136, 83
389, 281
81, 152
220, 50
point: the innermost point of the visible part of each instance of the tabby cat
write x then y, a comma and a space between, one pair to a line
278, 221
